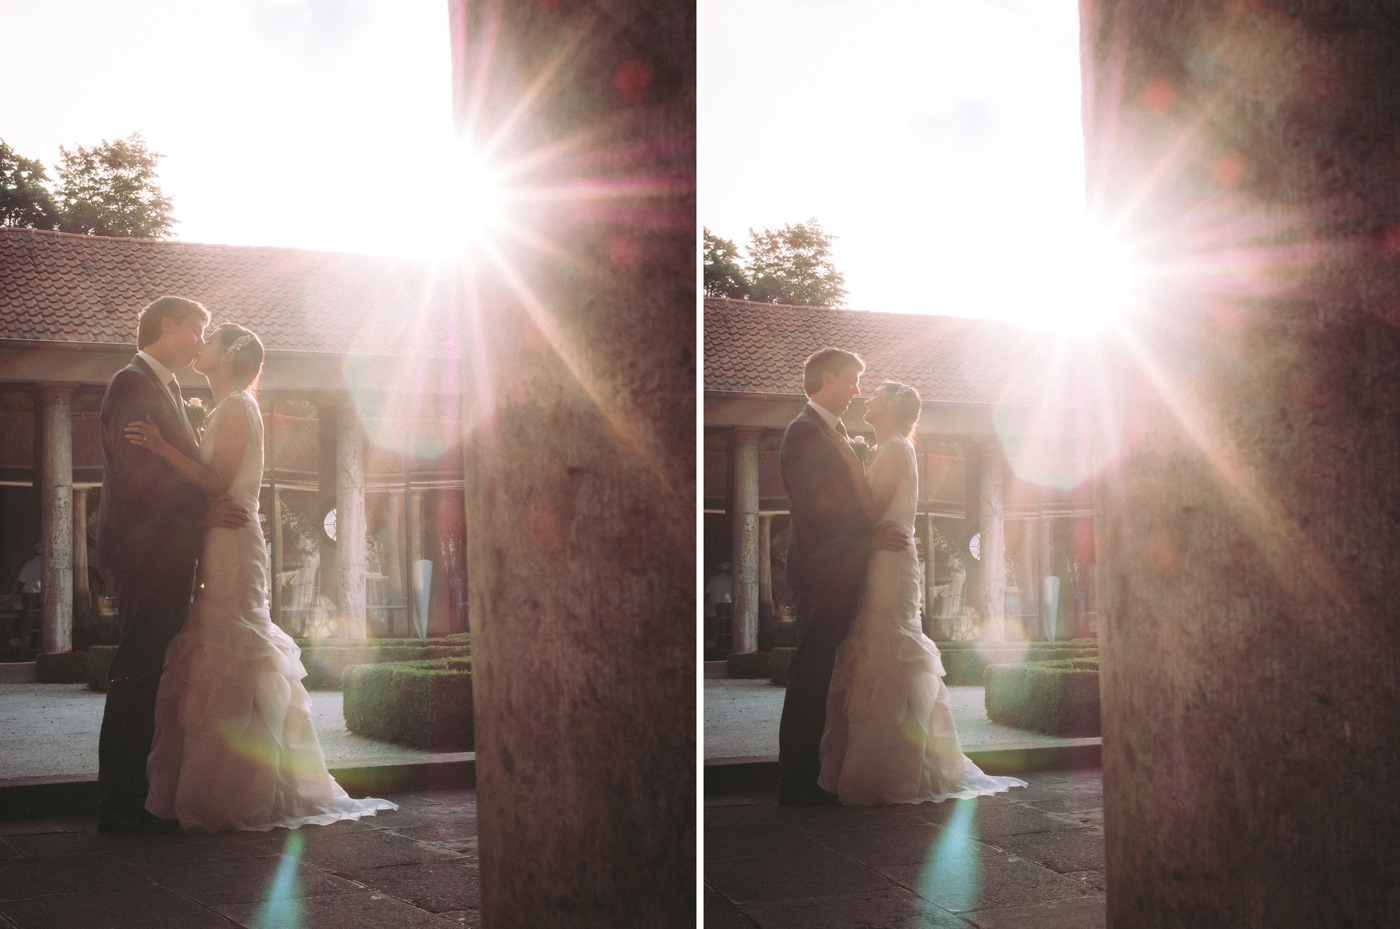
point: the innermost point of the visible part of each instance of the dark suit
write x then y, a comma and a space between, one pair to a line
828, 546
150, 526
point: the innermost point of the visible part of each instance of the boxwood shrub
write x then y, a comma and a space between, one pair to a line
750, 666
966, 662
325, 660
421, 704
61, 667
1059, 697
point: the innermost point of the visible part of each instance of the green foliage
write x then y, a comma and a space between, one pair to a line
111, 189
751, 666
61, 667
325, 662
793, 266
724, 270
1058, 697
421, 704
965, 662
25, 201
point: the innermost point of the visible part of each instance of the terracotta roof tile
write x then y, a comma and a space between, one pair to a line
60, 287
760, 347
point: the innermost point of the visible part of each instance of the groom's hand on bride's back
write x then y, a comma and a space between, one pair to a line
223, 513
888, 538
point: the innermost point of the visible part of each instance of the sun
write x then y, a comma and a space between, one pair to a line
1104, 278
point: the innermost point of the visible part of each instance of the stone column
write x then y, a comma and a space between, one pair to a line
56, 518
1248, 534
350, 522
766, 622
990, 511
745, 521
82, 591
579, 400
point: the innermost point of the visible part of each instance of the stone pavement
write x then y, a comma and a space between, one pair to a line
48, 752
414, 868
1031, 858
1028, 859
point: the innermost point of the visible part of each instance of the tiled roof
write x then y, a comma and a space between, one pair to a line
72, 288
760, 347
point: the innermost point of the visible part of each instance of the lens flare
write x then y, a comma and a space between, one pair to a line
953, 873
282, 909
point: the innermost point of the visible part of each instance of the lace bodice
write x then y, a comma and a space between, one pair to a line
905, 502
246, 426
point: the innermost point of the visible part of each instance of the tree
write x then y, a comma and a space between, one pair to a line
793, 266
111, 189
724, 272
25, 200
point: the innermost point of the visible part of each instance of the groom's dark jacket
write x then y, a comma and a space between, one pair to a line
148, 515
828, 532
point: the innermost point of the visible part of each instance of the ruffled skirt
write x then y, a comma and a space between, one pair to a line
234, 745
890, 735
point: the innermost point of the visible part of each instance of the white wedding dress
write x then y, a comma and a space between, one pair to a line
234, 746
890, 735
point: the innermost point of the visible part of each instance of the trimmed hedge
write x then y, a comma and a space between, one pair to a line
61, 667
421, 704
1058, 697
325, 660
967, 662
749, 666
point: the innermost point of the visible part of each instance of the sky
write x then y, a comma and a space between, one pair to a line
939, 141
322, 124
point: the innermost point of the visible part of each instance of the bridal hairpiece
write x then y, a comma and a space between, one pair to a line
239, 344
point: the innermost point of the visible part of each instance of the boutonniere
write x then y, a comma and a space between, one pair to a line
863, 451
196, 413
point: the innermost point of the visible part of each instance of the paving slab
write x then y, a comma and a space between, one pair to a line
992, 862
60, 873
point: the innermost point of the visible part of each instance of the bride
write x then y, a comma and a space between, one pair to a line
890, 735
234, 747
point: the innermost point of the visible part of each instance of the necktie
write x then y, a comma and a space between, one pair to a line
174, 387
841, 428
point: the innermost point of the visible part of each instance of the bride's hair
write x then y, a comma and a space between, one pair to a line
906, 406
244, 351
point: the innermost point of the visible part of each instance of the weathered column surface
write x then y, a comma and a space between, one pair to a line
350, 522
992, 554
766, 620
745, 521
1248, 536
56, 519
82, 591
579, 405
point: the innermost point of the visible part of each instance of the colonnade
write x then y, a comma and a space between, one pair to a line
63, 519
752, 536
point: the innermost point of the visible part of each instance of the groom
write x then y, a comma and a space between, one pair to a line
150, 526
829, 541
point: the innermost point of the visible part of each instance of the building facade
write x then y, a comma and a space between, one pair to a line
1009, 439
362, 499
